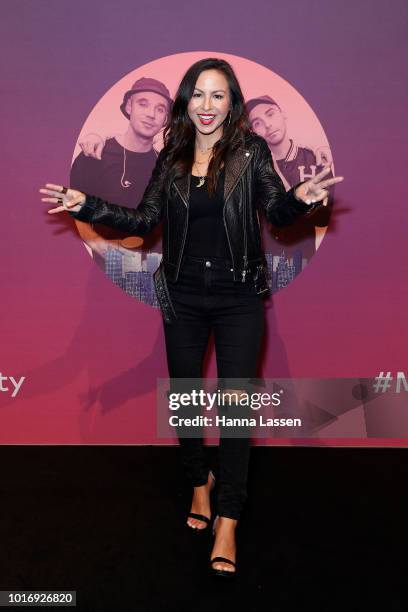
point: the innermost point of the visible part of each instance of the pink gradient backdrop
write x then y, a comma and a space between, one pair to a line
91, 354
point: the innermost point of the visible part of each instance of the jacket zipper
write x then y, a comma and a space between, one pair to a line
226, 231
225, 225
185, 231
244, 271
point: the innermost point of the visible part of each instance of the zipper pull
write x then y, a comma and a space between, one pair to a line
244, 271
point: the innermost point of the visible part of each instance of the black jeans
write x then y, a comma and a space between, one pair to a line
206, 299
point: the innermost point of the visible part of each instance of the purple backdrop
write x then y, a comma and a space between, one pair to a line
89, 353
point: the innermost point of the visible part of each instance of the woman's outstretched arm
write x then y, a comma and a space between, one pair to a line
92, 209
282, 207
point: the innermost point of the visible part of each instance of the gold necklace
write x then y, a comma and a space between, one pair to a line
205, 149
202, 178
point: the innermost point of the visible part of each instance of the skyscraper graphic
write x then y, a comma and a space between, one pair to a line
114, 265
282, 270
132, 261
297, 261
269, 263
131, 284
152, 262
285, 272
133, 274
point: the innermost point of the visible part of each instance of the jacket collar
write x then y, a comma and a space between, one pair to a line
234, 168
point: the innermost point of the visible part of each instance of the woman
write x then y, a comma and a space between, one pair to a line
210, 179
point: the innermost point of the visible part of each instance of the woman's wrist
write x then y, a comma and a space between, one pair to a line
83, 209
299, 194
76, 208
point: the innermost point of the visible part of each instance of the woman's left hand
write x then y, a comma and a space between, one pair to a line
315, 190
71, 199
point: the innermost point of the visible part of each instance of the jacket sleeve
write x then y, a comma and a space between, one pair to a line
279, 206
140, 220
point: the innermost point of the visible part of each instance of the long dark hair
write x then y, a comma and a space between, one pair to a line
179, 133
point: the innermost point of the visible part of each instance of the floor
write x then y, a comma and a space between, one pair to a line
323, 528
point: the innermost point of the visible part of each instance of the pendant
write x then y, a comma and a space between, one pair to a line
201, 183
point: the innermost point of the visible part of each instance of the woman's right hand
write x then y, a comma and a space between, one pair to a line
92, 145
69, 199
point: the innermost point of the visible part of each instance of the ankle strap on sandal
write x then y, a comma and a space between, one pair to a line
200, 517
222, 559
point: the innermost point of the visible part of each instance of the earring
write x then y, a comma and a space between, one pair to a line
229, 120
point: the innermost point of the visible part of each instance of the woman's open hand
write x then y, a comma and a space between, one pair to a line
69, 199
315, 190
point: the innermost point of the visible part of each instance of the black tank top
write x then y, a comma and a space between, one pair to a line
206, 235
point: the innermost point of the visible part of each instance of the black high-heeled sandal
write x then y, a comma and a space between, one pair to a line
202, 517
222, 573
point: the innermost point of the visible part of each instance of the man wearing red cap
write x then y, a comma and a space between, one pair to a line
119, 169
294, 163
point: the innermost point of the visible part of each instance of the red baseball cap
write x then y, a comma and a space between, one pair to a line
146, 84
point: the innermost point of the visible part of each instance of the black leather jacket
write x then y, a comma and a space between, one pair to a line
251, 183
